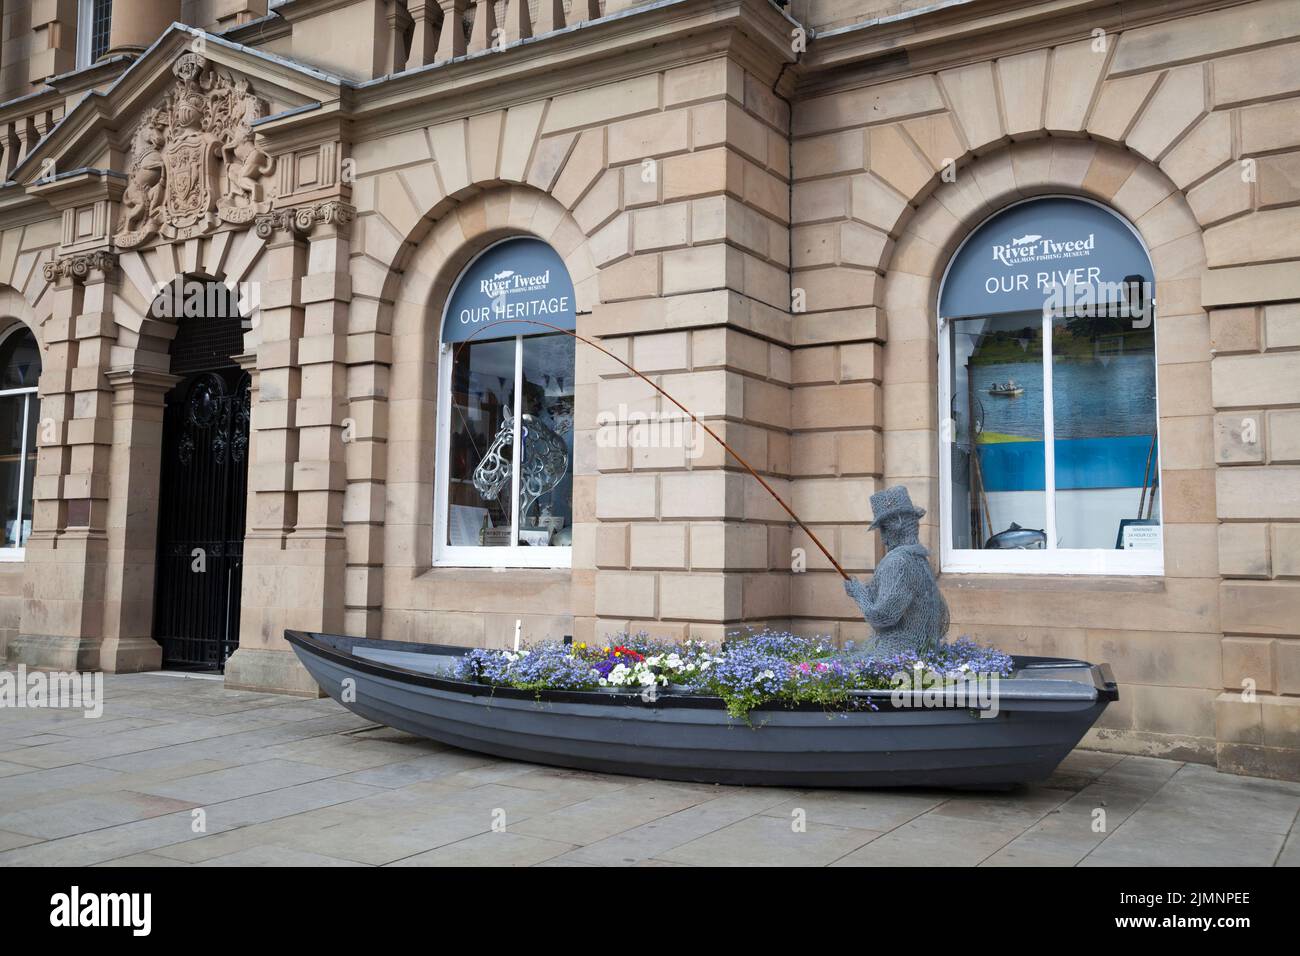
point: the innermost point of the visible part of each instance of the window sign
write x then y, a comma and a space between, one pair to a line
516, 279
1059, 253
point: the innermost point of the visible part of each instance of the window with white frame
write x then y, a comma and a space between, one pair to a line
506, 383
1050, 458
20, 369
94, 20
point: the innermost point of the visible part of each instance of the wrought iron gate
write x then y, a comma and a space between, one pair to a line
204, 484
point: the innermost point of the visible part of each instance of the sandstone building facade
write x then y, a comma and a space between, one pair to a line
766, 208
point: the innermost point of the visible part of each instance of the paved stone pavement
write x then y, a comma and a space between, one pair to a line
286, 781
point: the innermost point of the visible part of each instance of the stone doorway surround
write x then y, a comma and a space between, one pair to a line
88, 574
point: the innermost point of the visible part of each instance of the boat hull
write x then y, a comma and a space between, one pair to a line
693, 738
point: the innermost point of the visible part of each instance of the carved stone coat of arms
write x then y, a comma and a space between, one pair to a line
195, 161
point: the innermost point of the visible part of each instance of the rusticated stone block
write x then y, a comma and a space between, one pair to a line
1239, 437
1248, 664
1243, 550
1260, 607
1283, 435
1286, 550
656, 545
626, 593
1282, 325
1255, 492
1234, 330
1287, 656
1241, 381
1237, 720
1281, 719
1224, 194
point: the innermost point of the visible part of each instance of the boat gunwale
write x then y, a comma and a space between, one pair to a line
310, 642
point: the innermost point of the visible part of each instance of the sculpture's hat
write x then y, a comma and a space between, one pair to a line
891, 503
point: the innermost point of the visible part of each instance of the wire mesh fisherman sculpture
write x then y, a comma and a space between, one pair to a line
902, 602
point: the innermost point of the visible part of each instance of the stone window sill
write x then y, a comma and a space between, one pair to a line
1131, 584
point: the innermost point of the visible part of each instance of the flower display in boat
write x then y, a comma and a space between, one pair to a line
751, 670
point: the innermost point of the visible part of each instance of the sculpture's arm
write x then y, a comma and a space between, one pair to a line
885, 600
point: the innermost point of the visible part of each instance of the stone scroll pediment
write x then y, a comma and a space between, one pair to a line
195, 161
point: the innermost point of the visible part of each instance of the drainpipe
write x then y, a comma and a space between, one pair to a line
789, 144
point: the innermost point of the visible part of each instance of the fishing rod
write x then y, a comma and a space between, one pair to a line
712, 434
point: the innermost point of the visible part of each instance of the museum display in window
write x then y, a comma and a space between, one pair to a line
1049, 389
505, 485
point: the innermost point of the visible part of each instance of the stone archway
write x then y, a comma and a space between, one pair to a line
1112, 176
1161, 634
435, 258
202, 490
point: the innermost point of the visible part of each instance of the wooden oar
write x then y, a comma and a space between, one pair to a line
712, 434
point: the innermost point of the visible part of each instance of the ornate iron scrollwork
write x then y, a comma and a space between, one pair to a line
243, 408
205, 402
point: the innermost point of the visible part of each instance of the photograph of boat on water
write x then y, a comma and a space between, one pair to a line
1102, 411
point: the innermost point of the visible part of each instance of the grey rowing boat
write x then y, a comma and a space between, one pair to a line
1035, 718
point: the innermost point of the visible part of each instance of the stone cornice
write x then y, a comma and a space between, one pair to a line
80, 266
633, 43
951, 35
144, 379
79, 186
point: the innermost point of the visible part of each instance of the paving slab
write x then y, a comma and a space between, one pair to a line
647, 841
99, 846
599, 818
1161, 837
933, 840
277, 856
68, 817
881, 810
490, 849
770, 841
206, 788
432, 766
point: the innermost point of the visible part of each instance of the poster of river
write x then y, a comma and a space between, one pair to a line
1104, 412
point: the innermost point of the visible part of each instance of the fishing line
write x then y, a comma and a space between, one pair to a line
712, 434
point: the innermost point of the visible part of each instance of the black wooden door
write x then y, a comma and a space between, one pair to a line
204, 484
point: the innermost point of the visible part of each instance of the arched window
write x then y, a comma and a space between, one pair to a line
506, 382
20, 370
1049, 458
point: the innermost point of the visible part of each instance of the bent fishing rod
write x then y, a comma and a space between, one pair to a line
712, 434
